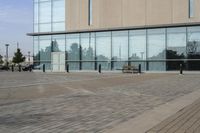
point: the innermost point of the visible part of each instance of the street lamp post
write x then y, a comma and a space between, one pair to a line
29, 54
7, 54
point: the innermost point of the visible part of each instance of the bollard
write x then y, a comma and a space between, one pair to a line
67, 68
44, 68
181, 69
30, 68
12, 68
20, 69
139, 69
99, 68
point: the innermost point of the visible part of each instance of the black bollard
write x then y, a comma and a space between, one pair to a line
67, 67
99, 68
12, 68
20, 68
139, 69
181, 69
30, 68
43, 68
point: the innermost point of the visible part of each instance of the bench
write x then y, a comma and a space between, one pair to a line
129, 69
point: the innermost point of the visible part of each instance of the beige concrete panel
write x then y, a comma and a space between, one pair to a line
110, 13
133, 12
159, 12
180, 11
84, 14
73, 15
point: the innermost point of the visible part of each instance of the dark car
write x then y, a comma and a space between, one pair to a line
4, 68
27, 68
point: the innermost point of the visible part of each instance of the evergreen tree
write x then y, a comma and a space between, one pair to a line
18, 57
1, 59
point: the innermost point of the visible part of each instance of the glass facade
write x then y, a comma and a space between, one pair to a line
49, 15
159, 49
191, 8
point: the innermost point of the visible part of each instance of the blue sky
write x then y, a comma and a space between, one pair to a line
16, 19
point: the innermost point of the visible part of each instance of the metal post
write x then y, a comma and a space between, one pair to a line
44, 68
67, 68
181, 69
139, 69
7, 55
112, 63
95, 64
99, 68
29, 58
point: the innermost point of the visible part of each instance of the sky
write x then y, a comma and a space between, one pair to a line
16, 19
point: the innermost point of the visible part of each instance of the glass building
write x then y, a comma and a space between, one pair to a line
156, 48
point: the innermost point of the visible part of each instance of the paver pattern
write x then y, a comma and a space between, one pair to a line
186, 120
83, 102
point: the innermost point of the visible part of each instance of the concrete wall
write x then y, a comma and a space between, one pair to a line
128, 13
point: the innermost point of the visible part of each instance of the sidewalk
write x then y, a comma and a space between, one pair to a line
186, 120
179, 116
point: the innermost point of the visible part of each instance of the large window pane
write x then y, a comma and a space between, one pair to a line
193, 44
45, 27
119, 48
176, 47
137, 48
36, 49
103, 48
59, 26
45, 51
45, 48
193, 48
88, 50
45, 12
72, 47
58, 43
156, 44
36, 12
58, 10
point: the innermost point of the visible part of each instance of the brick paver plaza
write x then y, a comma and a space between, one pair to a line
90, 102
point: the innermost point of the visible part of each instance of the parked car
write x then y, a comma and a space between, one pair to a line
27, 68
4, 68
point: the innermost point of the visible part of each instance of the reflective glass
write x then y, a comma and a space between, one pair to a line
45, 27
72, 47
176, 43
137, 44
36, 49
193, 48
191, 8
45, 48
119, 48
58, 10
58, 43
88, 50
36, 12
193, 44
156, 44
36, 28
176, 47
45, 12
157, 66
59, 26
103, 49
